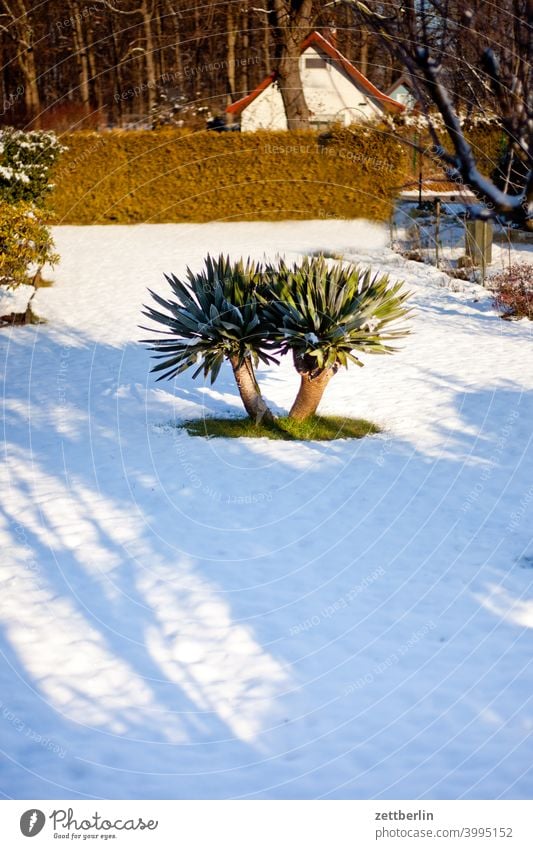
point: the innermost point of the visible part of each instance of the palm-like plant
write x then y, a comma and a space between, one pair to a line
326, 315
215, 315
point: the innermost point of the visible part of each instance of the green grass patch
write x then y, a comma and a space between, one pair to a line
320, 428
328, 254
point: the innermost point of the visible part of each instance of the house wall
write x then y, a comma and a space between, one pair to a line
402, 95
332, 96
266, 112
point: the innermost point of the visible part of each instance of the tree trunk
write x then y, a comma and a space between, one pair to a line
230, 52
81, 50
178, 61
32, 100
149, 58
291, 22
290, 86
363, 60
21, 31
266, 50
245, 48
117, 106
31, 92
310, 394
159, 58
249, 391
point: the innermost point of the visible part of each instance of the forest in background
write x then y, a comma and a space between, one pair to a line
147, 63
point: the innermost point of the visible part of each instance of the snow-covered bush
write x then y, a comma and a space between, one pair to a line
325, 315
514, 291
25, 244
26, 159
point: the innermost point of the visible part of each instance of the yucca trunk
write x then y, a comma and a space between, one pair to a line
310, 394
251, 397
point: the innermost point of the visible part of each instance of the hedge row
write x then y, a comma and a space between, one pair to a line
171, 175
174, 176
486, 140
488, 144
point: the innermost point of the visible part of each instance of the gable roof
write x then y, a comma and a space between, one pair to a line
237, 107
402, 80
315, 39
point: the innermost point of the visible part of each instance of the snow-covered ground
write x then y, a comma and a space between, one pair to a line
415, 230
185, 618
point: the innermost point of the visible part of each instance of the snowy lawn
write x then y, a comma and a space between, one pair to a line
419, 233
190, 618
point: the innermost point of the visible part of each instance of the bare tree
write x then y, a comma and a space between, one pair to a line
82, 53
231, 36
119, 56
146, 12
423, 35
16, 24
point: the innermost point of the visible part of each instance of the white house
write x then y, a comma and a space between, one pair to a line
402, 92
334, 90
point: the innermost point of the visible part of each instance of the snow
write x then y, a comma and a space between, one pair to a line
189, 618
420, 233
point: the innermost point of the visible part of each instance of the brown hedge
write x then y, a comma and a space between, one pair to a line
488, 144
486, 139
174, 176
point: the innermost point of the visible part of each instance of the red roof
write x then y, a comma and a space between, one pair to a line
317, 40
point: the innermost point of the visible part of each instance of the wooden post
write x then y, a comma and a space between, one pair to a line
437, 230
478, 243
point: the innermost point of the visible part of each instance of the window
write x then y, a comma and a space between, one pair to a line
321, 122
315, 62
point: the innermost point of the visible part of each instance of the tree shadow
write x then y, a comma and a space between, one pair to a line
169, 604
103, 621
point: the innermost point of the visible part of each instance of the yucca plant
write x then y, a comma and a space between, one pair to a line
215, 315
326, 315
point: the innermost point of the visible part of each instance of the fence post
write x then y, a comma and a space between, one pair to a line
437, 230
478, 243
